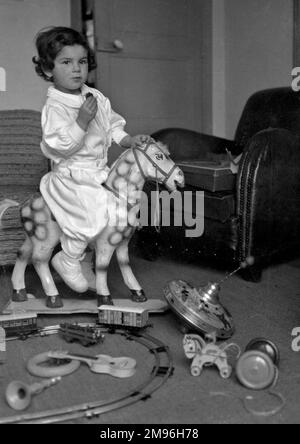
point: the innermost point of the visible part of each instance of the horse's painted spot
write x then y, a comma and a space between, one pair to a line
28, 226
135, 177
130, 158
41, 233
115, 238
119, 184
26, 212
123, 169
40, 217
38, 203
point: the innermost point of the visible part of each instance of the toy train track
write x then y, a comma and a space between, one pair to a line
162, 370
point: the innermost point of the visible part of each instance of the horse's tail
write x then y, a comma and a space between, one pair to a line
4, 205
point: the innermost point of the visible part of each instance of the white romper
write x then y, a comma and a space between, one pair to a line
73, 189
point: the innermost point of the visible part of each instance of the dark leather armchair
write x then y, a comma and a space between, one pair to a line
260, 216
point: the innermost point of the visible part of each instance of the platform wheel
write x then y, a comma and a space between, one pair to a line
196, 371
226, 372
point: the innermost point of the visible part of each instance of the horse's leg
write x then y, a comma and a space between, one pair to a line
104, 252
87, 269
42, 251
17, 278
137, 293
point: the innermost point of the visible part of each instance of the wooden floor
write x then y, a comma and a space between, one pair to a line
269, 309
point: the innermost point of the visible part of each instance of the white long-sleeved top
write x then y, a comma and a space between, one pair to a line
73, 189
64, 142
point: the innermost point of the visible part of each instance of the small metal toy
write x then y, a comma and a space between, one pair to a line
199, 310
131, 318
86, 335
266, 346
257, 367
18, 394
19, 324
206, 354
122, 367
46, 367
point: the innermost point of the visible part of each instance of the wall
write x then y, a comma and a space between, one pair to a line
20, 20
252, 50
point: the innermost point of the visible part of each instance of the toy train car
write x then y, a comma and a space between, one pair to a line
84, 334
114, 316
19, 324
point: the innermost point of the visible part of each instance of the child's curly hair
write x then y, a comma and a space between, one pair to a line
49, 42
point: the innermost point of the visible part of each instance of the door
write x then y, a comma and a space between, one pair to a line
150, 56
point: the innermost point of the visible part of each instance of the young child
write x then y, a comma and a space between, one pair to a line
78, 126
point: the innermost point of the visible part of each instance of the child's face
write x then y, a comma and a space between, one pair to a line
70, 70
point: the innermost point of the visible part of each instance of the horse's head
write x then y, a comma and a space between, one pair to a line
155, 164
192, 344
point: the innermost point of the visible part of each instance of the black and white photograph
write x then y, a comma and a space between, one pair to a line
149, 215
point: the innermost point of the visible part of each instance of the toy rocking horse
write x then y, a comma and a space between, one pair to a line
128, 174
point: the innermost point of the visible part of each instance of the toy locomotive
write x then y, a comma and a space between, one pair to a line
19, 324
132, 318
86, 335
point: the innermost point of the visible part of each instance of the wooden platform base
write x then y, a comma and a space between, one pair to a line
77, 306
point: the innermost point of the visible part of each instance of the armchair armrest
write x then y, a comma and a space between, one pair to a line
268, 190
186, 144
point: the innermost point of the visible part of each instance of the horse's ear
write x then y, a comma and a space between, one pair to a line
163, 147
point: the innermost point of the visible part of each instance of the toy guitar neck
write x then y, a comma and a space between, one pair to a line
122, 367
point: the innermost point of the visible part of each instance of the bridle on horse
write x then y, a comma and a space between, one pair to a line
157, 169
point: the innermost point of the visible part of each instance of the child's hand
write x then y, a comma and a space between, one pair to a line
132, 142
87, 112
140, 140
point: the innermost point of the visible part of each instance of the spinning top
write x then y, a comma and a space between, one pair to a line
199, 310
257, 367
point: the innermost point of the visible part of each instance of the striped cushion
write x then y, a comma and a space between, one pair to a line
21, 159
22, 165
